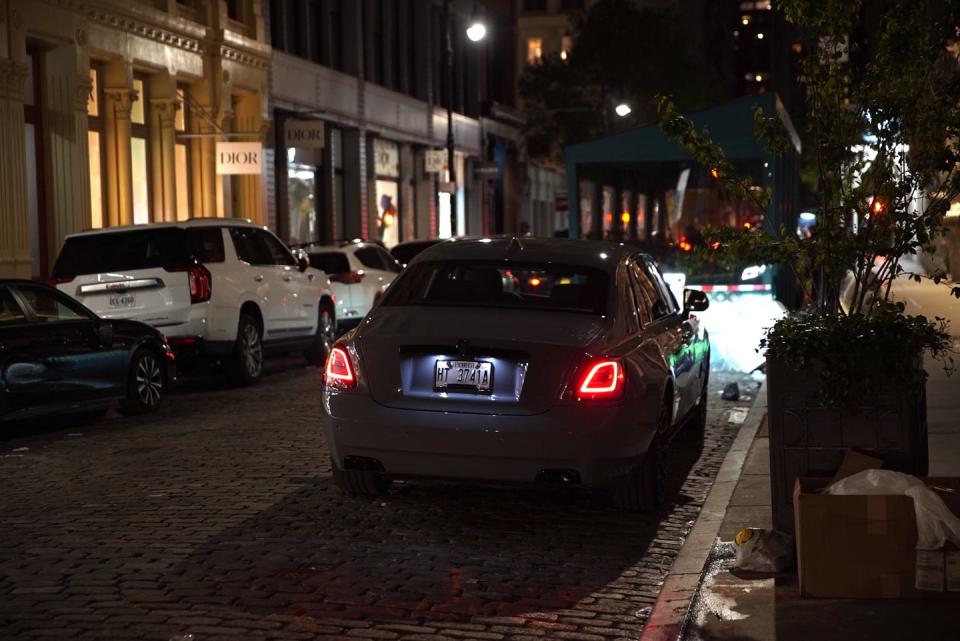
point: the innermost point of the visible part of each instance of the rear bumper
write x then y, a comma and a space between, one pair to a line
599, 443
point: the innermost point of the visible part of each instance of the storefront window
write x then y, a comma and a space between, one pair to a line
182, 159
95, 150
387, 166
301, 197
138, 155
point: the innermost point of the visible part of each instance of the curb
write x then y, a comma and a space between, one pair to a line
669, 615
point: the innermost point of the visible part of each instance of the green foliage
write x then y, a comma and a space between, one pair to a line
864, 359
621, 53
883, 125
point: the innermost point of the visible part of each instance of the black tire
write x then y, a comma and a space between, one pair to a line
361, 482
146, 383
246, 366
326, 336
644, 490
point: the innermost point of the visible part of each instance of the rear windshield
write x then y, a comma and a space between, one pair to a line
138, 249
330, 262
405, 253
504, 285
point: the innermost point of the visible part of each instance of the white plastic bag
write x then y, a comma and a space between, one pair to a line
936, 524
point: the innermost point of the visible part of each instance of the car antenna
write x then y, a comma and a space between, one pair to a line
515, 244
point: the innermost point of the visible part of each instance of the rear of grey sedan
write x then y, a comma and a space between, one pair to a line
518, 361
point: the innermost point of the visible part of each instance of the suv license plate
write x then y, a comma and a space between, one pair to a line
122, 300
469, 375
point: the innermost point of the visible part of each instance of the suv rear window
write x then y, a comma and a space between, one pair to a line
527, 286
330, 262
138, 249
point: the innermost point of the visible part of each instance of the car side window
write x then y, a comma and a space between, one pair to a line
389, 262
633, 310
650, 293
206, 244
249, 247
50, 306
279, 254
10, 311
641, 300
369, 257
661, 284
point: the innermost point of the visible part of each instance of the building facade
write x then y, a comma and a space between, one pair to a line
369, 78
111, 112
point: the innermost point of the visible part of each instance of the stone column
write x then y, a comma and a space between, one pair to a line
15, 258
117, 103
248, 190
164, 166
66, 88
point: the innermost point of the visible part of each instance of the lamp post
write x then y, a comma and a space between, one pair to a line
476, 32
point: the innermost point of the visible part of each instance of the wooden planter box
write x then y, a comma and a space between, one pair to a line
807, 440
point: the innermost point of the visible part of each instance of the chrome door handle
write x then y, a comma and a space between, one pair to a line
258, 278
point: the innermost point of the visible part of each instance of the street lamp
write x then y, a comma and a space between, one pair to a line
623, 109
476, 32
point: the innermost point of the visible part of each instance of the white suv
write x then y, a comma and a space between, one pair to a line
359, 272
225, 289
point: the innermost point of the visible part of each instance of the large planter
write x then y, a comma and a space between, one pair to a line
809, 440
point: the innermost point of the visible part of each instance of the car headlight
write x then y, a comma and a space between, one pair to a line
753, 271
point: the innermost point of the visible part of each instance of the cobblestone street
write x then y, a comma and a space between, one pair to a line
217, 518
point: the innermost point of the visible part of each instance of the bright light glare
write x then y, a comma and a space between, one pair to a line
623, 109
477, 31
808, 216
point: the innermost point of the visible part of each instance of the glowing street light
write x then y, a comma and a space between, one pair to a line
477, 31
623, 109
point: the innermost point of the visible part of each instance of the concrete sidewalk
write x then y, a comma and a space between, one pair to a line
704, 600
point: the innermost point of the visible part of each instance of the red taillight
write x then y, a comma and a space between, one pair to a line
339, 370
347, 278
200, 282
602, 379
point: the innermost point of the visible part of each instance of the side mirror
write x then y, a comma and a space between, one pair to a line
694, 300
105, 334
303, 259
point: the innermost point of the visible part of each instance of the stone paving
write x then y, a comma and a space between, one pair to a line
217, 519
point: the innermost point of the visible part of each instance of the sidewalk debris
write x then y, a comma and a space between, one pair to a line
760, 550
738, 415
731, 392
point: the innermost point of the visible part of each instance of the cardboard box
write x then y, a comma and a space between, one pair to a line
865, 546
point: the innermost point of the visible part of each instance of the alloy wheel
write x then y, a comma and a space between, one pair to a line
251, 350
149, 380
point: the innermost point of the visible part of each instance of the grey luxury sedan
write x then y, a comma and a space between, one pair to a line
521, 361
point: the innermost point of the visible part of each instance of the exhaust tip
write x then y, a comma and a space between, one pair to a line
559, 477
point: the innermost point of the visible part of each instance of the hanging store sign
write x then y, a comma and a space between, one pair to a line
435, 160
239, 158
304, 134
386, 158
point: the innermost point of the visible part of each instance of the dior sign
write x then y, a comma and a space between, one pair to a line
304, 134
239, 157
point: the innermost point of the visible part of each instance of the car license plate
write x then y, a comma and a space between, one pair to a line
122, 300
470, 375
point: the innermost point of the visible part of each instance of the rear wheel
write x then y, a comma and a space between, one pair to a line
247, 365
323, 341
146, 384
644, 489
360, 482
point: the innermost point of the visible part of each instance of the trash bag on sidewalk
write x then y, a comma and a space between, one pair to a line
761, 550
936, 524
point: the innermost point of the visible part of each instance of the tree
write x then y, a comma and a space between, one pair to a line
883, 125
621, 53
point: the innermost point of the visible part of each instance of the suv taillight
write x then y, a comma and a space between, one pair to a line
347, 278
200, 282
339, 370
602, 379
